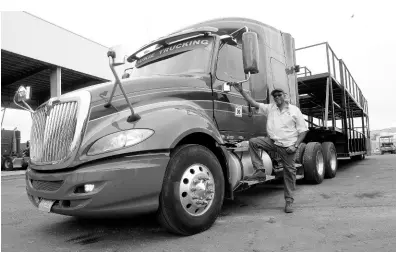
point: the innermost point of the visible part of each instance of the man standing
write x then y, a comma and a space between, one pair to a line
286, 129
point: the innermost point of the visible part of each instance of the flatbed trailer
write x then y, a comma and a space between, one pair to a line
333, 104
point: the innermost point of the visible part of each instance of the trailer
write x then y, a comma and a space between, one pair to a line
333, 103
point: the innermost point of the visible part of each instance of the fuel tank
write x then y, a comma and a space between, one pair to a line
240, 163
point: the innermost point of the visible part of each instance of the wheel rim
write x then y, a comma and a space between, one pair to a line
319, 163
197, 189
7, 164
333, 161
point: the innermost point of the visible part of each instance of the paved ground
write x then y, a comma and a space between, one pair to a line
356, 211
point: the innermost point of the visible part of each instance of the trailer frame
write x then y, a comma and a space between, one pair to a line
333, 96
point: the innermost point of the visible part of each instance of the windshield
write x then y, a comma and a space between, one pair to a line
189, 56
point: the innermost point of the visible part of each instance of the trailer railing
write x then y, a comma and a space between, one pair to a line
350, 108
336, 68
304, 71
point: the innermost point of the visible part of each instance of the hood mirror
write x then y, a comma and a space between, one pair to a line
22, 95
119, 54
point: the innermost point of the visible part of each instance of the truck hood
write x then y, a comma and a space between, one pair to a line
145, 90
134, 86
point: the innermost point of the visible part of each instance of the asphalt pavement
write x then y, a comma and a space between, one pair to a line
355, 211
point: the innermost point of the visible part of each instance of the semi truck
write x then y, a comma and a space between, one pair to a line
170, 135
386, 145
12, 156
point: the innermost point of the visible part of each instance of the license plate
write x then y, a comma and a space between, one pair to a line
45, 205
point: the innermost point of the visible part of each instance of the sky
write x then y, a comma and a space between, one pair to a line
360, 32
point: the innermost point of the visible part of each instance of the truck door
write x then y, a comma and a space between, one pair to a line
231, 111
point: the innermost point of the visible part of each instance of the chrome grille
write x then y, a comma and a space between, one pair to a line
46, 185
53, 132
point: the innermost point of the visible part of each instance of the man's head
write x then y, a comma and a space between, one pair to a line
279, 96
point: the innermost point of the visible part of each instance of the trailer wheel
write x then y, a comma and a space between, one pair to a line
330, 159
313, 163
7, 164
192, 192
299, 153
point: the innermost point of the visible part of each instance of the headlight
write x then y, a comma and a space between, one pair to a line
119, 140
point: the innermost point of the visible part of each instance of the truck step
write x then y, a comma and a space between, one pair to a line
268, 178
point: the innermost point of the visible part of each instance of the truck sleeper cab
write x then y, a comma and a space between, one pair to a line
173, 138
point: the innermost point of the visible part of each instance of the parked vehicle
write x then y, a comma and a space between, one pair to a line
172, 135
11, 155
386, 145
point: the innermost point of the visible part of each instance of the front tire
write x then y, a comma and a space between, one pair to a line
330, 159
313, 163
192, 191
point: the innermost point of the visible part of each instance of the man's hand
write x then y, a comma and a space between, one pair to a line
291, 149
248, 98
237, 86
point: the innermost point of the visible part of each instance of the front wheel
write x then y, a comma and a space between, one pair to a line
192, 191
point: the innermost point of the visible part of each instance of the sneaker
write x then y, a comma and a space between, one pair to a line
257, 176
288, 207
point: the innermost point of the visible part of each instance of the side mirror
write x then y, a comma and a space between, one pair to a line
23, 93
118, 53
250, 51
226, 88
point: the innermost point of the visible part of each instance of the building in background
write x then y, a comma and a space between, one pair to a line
49, 58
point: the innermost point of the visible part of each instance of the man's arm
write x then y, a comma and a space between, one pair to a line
247, 97
302, 129
300, 138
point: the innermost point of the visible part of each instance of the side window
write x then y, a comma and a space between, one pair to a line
230, 65
279, 77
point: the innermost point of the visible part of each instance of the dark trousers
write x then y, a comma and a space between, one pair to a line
289, 170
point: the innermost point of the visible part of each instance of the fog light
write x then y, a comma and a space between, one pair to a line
88, 187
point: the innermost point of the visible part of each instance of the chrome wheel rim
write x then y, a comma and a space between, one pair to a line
197, 189
319, 163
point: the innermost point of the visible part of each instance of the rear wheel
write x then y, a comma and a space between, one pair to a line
313, 163
330, 159
192, 192
299, 153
